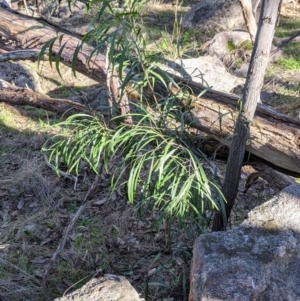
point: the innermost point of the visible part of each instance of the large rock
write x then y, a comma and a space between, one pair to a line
216, 15
223, 14
219, 44
207, 70
20, 75
258, 260
5, 3
61, 9
108, 288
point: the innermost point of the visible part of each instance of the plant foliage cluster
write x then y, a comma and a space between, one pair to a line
156, 163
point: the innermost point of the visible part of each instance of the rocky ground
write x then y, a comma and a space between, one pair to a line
36, 205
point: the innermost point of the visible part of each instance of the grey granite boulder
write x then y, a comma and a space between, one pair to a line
256, 261
61, 8
215, 15
223, 15
20, 75
219, 44
107, 288
207, 70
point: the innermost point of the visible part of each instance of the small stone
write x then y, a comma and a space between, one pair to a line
243, 176
38, 232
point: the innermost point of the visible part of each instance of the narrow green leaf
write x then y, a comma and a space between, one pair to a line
58, 57
44, 49
34, 27
75, 57
158, 76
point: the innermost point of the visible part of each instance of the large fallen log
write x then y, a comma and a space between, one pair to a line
15, 27
275, 137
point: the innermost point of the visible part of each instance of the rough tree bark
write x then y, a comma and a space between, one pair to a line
251, 96
15, 27
12, 27
23, 97
25, 54
274, 137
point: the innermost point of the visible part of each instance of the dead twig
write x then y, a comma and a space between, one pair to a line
62, 173
285, 42
26, 8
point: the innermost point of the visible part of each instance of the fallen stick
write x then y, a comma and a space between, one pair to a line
22, 96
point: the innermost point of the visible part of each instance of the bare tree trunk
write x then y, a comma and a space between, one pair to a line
249, 18
251, 96
255, 7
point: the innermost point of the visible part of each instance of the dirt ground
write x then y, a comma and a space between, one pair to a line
36, 206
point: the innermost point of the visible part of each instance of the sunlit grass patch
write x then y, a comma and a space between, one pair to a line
290, 63
287, 27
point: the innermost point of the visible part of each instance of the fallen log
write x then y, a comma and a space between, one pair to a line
23, 97
20, 96
275, 137
15, 27
26, 54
